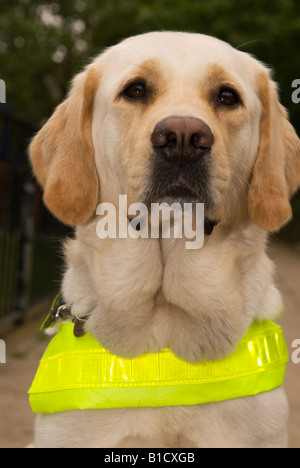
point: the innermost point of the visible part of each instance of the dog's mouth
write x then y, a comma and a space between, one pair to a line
191, 185
180, 192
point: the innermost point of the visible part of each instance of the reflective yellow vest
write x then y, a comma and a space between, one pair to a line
78, 373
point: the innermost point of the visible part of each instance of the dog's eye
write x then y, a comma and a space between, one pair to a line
228, 98
135, 91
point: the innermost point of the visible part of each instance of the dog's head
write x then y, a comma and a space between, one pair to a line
171, 117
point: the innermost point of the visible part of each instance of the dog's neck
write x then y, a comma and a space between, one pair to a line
146, 294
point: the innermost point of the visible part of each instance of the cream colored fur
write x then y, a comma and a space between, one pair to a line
146, 294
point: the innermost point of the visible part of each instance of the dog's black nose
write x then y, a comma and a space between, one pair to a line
182, 140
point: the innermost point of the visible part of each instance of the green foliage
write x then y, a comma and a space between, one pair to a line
44, 43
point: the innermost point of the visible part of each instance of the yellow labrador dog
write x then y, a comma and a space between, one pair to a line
181, 117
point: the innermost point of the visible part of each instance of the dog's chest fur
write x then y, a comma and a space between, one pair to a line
146, 294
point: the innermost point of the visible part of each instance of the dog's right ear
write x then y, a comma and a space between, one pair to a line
62, 154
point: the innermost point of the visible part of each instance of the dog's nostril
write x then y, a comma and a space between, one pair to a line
196, 140
160, 139
163, 139
172, 139
203, 141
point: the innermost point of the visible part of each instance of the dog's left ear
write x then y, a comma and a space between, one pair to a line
62, 154
276, 173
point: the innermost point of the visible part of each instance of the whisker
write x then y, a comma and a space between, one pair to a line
247, 43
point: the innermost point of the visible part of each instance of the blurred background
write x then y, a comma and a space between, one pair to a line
42, 45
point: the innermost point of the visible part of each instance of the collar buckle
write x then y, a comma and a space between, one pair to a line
60, 311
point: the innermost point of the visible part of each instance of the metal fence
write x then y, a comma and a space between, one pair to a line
29, 235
